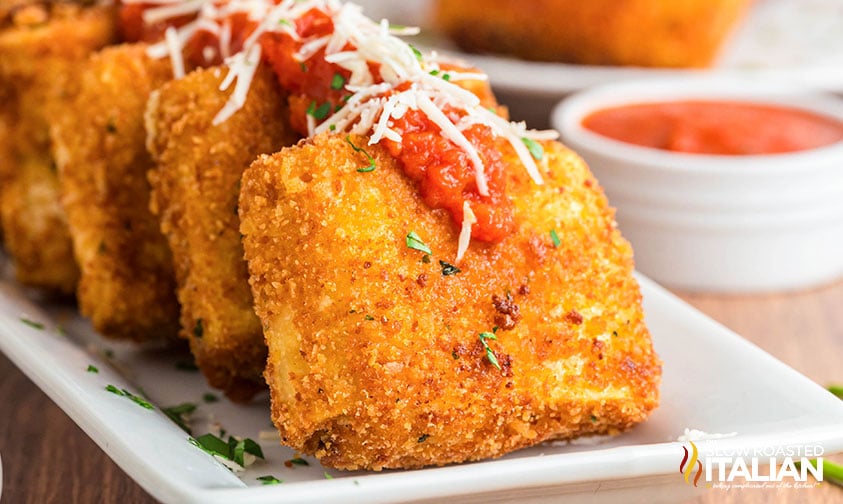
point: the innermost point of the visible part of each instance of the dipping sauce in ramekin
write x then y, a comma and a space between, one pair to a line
716, 127
721, 222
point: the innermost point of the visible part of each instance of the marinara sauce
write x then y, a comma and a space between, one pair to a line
442, 171
716, 127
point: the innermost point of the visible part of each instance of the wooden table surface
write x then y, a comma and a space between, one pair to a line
47, 458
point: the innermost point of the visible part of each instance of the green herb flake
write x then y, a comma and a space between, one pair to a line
337, 82
92, 369
490, 355
285, 22
423, 438
836, 390
448, 269
446, 77
299, 462
33, 324
369, 317
140, 401
320, 112
535, 148
209, 397
426, 259
234, 450
186, 366
114, 390
269, 480
179, 413
303, 67
555, 238
332, 127
455, 355
416, 52
198, 329
415, 242
593, 419
328, 476
369, 157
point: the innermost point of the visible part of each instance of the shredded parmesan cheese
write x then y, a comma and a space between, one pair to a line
356, 44
468, 218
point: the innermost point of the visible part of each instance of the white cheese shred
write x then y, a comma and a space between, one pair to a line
357, 44
171, 36
468, 218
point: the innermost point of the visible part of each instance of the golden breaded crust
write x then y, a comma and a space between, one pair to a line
195, 189
375, 359
37, 60
35, 228
651, 33
127, 285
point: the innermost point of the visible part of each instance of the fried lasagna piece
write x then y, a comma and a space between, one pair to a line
195, 189
127, 286
40, 48
382, 356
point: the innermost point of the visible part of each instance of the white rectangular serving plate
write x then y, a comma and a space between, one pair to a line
714, 381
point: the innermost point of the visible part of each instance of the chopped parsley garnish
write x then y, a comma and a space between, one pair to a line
593, 418
285, 22
448, 269
836, 390
209, 397
298, 461
423, 438
186, 366
534, 147
337, 82
233, 450
555, 238
320, 112
369, 317
328, 476
269, 480
332, 127
490, 355
371, 166
31, 323
426, 259
416, 52
446, 77
415, 242
434, 72
455, 355
198, 329
92, 369
140, 401
179, 414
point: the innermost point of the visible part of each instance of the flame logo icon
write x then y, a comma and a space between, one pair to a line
686, 467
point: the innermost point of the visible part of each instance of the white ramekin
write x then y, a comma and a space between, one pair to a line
718, 223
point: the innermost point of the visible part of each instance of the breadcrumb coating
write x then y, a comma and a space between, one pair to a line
40, 48
127, 286
378, 358
195, 190
649, 33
